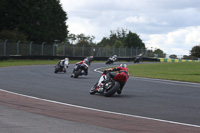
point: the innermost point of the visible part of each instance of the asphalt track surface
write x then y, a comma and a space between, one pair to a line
157, 99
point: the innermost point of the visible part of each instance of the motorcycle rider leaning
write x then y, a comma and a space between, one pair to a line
113, 58
88, 60
64, 63
122, 75
85, 66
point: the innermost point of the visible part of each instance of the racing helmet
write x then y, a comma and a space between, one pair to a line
66, 59
91, 58
123, 65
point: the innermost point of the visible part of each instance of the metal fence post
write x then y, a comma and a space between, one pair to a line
119, 51
42, 48
30, 48
4, 44
146, 52
54, 44
125, 51
100, 51
73, 51
64, 49
106, 52
136, 51
18, 47
131, 51
83, 50
92, 51
53, 48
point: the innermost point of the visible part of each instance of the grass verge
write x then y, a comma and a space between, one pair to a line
183, 71
33, 62
26, 62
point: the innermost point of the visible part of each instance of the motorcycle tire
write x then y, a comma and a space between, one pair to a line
107, 62
136, 61
56, 70
77, 73
112, 91
93, 89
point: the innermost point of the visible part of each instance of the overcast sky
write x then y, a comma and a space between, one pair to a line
171, 25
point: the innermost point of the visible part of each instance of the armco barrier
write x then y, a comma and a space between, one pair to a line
71, 58
176, 60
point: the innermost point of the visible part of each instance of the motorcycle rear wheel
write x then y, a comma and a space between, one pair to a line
57, 70
112, 91
77, 73
108, 62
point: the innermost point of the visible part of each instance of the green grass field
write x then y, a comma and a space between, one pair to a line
8, 63
28, 62
183, 71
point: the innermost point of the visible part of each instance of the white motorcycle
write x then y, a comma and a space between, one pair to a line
62, 66
111, 60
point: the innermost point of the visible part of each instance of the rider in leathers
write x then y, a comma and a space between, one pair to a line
64, 64
123, 75
88, 60
85, 66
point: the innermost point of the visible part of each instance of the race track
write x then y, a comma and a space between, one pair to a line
159, 99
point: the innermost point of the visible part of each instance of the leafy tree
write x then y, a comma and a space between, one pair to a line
39, 20
118, 44
72, 38
127, 39
105, 42
195, 51
159, 52
81, 39
173, 56
189, 57
12, 35
133, 40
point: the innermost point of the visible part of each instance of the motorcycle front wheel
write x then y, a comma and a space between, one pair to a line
93, 89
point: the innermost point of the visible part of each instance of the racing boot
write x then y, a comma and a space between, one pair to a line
119, 91
72, 75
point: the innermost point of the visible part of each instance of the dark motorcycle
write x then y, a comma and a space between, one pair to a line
106, 87
59, 68
79, 70
138, 59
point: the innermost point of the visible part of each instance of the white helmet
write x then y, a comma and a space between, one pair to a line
123, 65
66, 59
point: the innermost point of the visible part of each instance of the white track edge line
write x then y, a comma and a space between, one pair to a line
110, 112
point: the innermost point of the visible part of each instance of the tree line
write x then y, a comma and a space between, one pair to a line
32, 20
117, 38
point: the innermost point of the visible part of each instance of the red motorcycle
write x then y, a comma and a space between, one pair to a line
106, 87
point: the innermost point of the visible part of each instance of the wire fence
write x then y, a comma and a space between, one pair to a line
64, 49
55, 49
